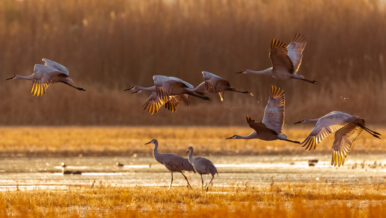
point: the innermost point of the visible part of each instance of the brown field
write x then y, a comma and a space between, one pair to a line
274, 200
105, 141
108, 44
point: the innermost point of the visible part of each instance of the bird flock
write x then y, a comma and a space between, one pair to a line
169, 91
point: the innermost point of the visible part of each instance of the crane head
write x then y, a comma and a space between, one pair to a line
234, 137
152, 141
13, 77
190, 150
133, 89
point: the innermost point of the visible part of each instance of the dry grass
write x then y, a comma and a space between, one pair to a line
129, 140
275, 200
108, 44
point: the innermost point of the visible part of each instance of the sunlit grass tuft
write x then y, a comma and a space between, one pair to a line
275, 200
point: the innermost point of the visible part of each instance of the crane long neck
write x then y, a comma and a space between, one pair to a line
190, 155
267, 71
250, 136
310, 120
30, 77
155, 147
155, 153
150, 88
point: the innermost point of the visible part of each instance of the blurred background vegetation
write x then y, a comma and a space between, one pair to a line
109, 44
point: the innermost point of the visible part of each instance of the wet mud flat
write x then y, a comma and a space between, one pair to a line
47, 173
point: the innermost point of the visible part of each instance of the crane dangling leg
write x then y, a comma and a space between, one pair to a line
220, 94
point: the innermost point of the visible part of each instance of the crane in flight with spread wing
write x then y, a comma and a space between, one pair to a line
216, 84
285, 59
346, 127
167, 91
45, 75
273, 121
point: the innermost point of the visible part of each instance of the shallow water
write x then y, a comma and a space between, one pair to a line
46, 173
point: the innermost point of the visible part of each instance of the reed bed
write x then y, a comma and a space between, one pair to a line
110, 44
103, 141
284, 200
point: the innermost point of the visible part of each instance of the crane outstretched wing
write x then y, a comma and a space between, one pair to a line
168, 85
279, 57
326, 125
153, 103
202, 88
55, 65
295, 50
42, 74
344, 138
173, 102
259, 128
274, 111
208, 75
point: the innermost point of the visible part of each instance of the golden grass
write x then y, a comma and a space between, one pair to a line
130, 140
108, 44
275, 200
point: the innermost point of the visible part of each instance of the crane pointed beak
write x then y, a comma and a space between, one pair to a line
148, 142
128, 88
11, 77
229, 137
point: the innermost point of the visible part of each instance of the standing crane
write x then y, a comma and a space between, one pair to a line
285, 59
172, 162
346, 127
44, 75
202, 166
216, 84
273, 121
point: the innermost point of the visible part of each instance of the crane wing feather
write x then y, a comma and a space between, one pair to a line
279, 57
259, 128
176, 163
295, 50
153, 103
274, 111
60, 68
344, 138
173, 102
326, 125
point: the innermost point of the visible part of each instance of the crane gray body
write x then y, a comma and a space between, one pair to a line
202, 166
172, 162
